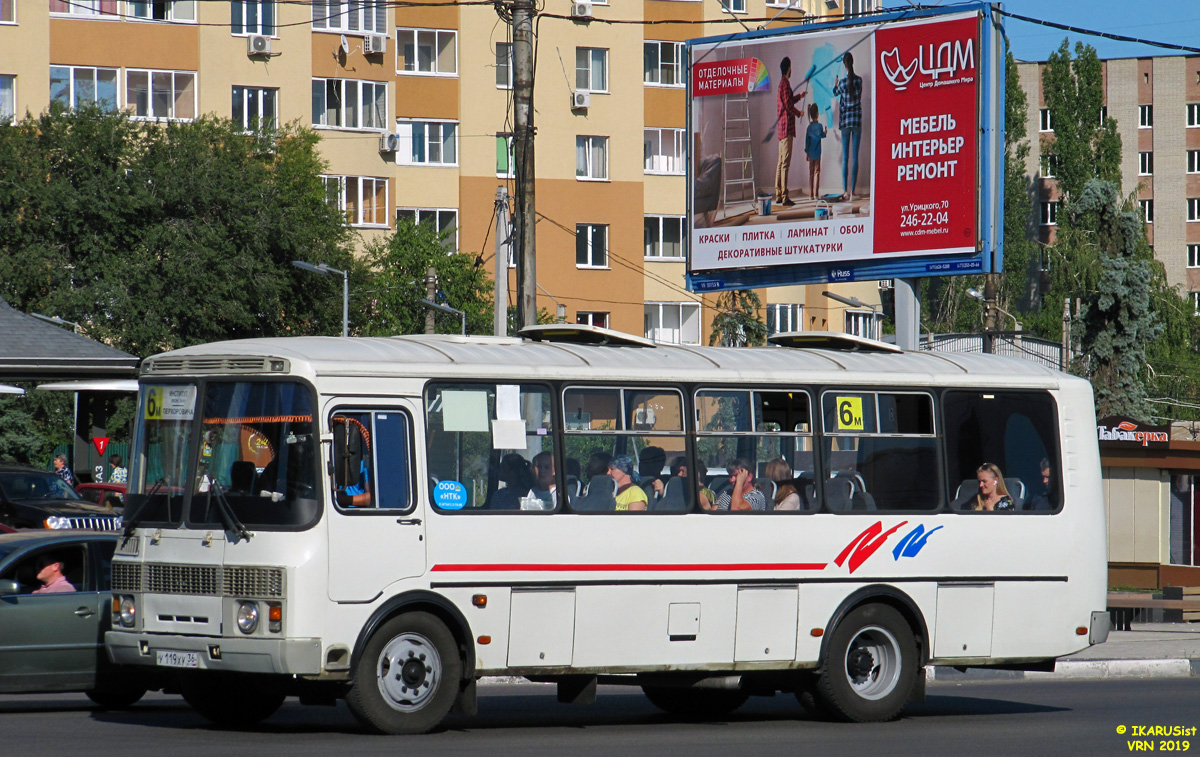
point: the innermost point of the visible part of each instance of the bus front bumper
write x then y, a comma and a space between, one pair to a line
283, 656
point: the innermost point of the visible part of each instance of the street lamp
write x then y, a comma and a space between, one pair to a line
976, 294
55, 319
325, 270
462, 317
854, 302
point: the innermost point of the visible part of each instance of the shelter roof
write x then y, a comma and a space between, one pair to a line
31, 350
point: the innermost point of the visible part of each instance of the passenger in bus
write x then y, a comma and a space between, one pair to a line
355, 495
650, 465
993, 495
630, 496
544, 486
743, 495
517, 479
787, 497
1044, 501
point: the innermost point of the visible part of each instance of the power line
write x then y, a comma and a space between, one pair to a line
1095, 33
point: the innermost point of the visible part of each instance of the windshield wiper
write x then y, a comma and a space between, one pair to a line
137, 517
228, 518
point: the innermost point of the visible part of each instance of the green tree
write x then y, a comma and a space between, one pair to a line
394, 281
160, 236
737, 322
1014, 290
33, 424
1117, 318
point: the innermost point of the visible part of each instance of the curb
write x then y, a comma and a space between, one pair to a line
1076, 670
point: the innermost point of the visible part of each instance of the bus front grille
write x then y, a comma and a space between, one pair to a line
241, 581
253, 582
181, 579
126, 576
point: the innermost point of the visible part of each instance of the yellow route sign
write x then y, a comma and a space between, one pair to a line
849, 414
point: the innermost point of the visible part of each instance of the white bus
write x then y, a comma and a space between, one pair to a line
389, 519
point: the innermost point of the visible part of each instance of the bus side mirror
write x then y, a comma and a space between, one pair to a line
347, 455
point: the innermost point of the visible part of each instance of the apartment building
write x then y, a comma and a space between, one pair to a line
413, 105
1156, 104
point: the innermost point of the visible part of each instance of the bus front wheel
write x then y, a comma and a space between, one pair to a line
408, 675
695, 703
870, 666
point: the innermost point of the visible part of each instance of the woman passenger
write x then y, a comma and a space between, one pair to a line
786, 495
993, 495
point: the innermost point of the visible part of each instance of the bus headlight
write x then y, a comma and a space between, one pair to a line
128, 612
247, 617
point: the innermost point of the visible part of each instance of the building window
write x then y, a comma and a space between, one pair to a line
737, 6
349, 104
505, 159
1147, 210
795, 4
256, 108
859, 7
1195, 303
252, 17
662, 64
1145, 116
426, 51
442, 220
1193, 255
591, 245
1193, 114
864, 323
1046, 125
591, 69
1145, 163
1193, 164
663, 151
664, 237
782, 318
427, 143
362, 199
1049, 166
350, 16
161, 10
84, 7
167, 95
504, 65
8, 11
585, 318
1103, 114
8, 97
1049, 213
673, 322
1194, 208
591, 157
74, 87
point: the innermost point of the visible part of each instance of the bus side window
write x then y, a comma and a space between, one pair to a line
1014, 430
353, 459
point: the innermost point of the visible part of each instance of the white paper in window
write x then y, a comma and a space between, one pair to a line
508, 402
508, 434
464, 411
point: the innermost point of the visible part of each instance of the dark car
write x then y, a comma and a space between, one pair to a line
53, 642
34, 498
108, 495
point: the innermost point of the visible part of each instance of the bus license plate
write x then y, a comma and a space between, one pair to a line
171, 659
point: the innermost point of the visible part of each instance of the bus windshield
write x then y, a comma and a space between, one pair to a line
166, 413
258, 451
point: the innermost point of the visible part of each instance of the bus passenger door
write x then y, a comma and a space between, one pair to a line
376, 523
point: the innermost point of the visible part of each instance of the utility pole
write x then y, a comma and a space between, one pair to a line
431, 295
503, 251
1065, 356
523, 12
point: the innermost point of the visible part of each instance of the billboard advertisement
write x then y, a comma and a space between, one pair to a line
842, 153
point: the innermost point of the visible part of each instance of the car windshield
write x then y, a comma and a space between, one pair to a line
258, 452
27, 485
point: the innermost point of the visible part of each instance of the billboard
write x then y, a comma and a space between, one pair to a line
846, 152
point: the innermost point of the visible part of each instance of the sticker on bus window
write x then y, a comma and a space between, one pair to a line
849, 414
450, 495
170, 403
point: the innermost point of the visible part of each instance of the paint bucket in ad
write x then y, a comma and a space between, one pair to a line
822, 213
764, 205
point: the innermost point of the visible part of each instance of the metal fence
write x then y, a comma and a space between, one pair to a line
1009, 343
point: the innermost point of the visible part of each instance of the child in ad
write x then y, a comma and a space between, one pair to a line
812, 149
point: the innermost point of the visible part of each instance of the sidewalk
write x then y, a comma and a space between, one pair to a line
1149, 650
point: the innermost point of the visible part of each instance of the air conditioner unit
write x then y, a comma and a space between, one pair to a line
581, 100
258, 44
389, 142
581, 10
375, 44
831, 4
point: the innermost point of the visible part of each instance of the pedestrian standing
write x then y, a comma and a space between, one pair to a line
64, 472
119, 473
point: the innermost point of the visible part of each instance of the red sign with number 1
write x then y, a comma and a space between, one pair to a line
101, 443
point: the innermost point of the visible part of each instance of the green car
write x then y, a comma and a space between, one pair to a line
54, 642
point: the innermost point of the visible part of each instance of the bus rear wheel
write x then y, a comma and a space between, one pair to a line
870, 666
695, 703
408, 676
230, 700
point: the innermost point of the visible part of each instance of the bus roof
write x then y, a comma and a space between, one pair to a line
453, 356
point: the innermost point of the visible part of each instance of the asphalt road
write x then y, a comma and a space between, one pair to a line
1018, 718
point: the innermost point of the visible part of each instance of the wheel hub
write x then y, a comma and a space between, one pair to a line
409, 671
873, 663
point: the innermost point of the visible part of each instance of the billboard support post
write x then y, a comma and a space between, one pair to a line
908, 313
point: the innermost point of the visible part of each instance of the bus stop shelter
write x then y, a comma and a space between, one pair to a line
32, 350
